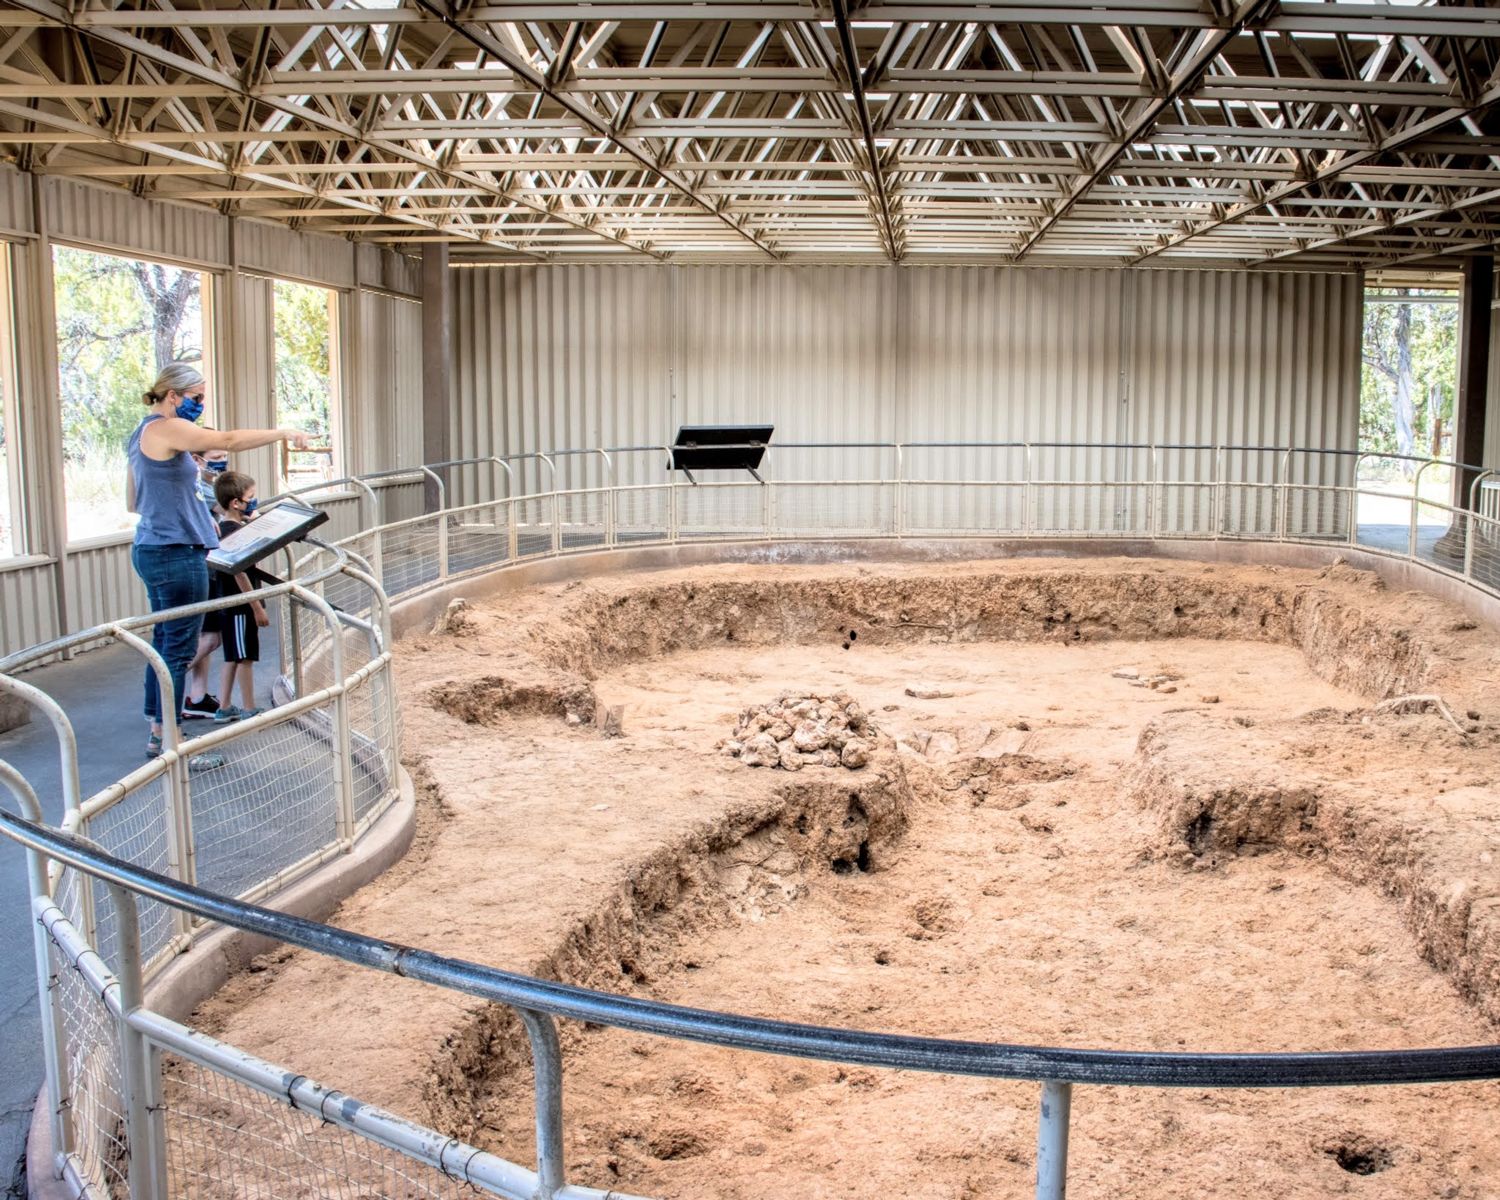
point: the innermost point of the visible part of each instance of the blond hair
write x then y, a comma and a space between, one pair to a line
174, 377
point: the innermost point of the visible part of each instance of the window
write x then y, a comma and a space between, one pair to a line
307, 381
11, 542
119, 321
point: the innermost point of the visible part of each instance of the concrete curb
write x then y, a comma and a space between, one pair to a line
202, 970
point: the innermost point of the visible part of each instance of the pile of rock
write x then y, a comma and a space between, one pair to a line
796, 731
1163, 681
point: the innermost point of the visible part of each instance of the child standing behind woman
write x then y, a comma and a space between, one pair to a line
241, 624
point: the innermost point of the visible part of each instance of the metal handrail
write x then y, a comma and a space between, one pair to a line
997, 1060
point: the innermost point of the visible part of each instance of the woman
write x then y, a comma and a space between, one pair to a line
176, 530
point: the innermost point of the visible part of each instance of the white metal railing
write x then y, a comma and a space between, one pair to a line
309, 777
1032, 490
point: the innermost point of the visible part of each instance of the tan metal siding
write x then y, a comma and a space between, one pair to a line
250, 368
102, 585
559, 356
15, 201
27, 607
1245, 359
276, 250
377, 267
113, 219
385, 382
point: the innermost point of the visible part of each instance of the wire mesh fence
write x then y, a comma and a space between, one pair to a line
374, 742
1320, 514
1440, 531
479, 538
89, 1037
935, 508
1091, 509
136, 828
1185, 509
713, 511
411, 555
534, 526
1249, 510
229, 1141
271, 806
583, 519
862, 509
642, 515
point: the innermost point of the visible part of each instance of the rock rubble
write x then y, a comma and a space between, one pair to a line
796, 731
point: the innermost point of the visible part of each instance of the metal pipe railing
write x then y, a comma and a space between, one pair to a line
537, 1002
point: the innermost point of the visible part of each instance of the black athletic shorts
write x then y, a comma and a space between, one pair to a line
241, 635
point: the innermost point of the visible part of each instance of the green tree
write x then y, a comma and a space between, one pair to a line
1410, 376
119, 321
304, 384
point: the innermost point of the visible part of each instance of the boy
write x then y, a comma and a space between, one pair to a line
200, 703
235, 494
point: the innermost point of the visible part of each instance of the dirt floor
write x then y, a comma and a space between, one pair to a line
1260, 852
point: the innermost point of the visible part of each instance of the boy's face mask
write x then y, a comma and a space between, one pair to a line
217, 465
251, 506
190, 408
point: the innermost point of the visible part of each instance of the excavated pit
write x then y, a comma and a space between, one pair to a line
1252, 854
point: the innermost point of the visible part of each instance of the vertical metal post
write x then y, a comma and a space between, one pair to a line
609, 499
143, 1124
1470, 521
442, 520
672, 514
1028, 518
1354, 502
343, 763
556, 511
181, 859
1052, 1140
369, 508
1284, 509
1220, 486
898, 503
546, 1058
1416, 504
294, 633
512, 533
1153, 508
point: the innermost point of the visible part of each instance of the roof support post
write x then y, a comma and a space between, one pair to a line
437, 345
1472, 402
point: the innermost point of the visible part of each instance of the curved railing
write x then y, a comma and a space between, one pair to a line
139, 870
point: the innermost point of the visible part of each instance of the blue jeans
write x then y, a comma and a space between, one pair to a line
174, 576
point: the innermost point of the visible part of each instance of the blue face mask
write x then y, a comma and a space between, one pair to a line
217, 465
191, 408
251, 506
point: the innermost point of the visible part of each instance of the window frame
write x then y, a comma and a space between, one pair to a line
337, 442
207, 294
14, 482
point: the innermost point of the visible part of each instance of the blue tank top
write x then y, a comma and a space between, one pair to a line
166, 497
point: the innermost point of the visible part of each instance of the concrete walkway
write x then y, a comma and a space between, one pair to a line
101, 691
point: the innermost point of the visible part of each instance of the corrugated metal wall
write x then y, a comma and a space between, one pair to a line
569, 356
381, 358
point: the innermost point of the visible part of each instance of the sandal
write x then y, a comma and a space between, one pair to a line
153, 745
210, 761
